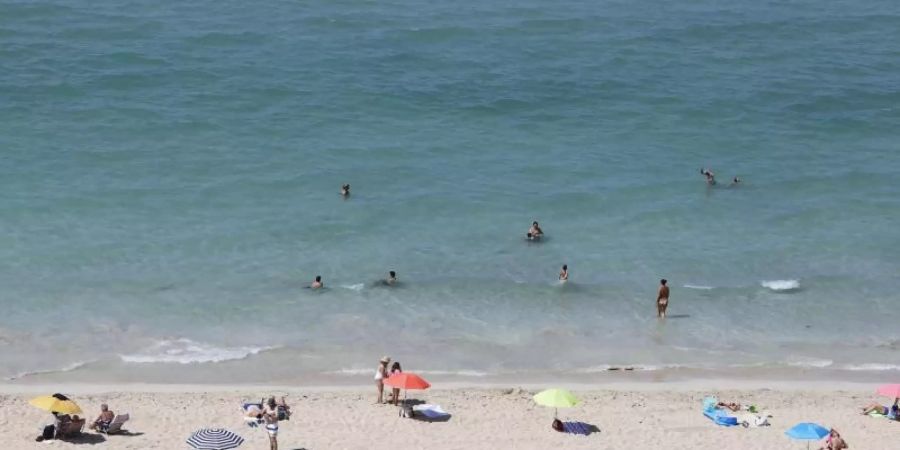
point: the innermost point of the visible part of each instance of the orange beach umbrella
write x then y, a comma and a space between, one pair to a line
407, 380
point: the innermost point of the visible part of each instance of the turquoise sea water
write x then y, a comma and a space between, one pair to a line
170, 177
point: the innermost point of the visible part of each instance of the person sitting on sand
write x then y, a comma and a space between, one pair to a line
892, 412
345, 190
564, 273
317, 284
380, 374
103, 420
710, 176
834, 441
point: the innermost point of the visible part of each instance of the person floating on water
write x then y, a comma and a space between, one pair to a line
391, 279
710, 176
736, 181
317, 284
535, 232
564, 273
345, 190
662, 299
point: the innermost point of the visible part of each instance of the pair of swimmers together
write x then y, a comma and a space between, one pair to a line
389, 281
711, 177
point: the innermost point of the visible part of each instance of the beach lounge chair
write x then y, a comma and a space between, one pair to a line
116, 425
430, 413
251, 421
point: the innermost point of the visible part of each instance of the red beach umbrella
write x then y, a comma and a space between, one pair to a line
889, 390
407, 380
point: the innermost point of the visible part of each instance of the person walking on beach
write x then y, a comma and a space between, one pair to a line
564, 273
380, 374
662, 299
317, 283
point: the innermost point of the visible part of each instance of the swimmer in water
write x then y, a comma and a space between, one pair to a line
535, 232
391, 279
345, 190
736, 181
564, 273
710, 176
317, 284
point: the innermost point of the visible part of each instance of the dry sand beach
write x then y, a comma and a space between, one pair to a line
638, 416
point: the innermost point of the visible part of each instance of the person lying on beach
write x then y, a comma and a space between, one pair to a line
892, 412
345, 190
735, 407
834, 441
103, 420
557, 425
564, 273
317, 284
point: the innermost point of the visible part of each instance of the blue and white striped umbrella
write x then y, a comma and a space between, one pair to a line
214, 439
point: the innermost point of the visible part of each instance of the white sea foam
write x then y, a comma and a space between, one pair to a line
354, 287
186, 351
698, 286
810, 363
68, 368
874, 367
781, 285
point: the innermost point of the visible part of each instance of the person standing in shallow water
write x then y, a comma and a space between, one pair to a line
317, 284
564, 273
345, 190
662, 299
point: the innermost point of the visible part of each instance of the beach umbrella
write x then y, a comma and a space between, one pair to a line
407, 380
807, 432
889, 390
555, 398
214, 439
57, 403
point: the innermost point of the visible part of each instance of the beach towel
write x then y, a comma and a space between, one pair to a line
579, 428
430, 412
720, 417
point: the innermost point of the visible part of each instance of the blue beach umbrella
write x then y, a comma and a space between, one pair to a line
807, 432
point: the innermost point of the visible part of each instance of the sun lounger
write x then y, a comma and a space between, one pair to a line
251, 421
116, 425
580, 428
431, 413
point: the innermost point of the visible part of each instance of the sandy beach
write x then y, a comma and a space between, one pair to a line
638, 416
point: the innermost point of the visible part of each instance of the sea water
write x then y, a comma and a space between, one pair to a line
170, 175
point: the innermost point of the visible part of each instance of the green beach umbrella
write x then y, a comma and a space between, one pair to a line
555, 398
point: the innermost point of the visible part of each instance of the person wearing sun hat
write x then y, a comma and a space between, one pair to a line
380, 374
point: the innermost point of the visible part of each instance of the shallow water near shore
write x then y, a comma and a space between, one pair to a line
171, 177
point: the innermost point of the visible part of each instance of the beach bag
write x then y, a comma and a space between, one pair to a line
283, 414
49, 432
